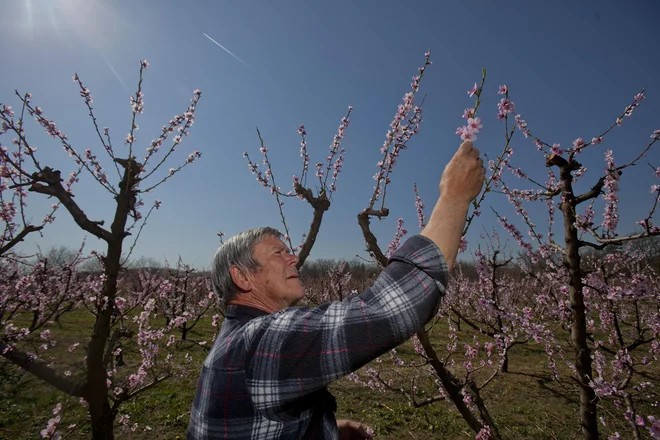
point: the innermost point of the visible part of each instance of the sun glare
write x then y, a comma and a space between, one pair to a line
94, 22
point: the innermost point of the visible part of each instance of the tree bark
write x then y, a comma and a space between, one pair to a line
588, 409
100, 411
320, 204
505, 364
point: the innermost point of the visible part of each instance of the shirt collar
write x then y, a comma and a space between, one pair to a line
241, 312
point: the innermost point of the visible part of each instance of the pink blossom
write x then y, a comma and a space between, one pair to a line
398, 235
505, 106
402, 128
577, 143
475, 124
49, 432
419, 205
467, 135
610, 195
137, 105
654, 429
463, 245
484, 434
522, 126
472, 91
216, 320
6, 109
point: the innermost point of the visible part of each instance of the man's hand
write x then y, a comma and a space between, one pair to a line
350, 430
463, 177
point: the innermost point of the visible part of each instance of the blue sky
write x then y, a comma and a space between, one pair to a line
571, 67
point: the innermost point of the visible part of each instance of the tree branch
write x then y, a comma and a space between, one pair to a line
320, 205
428, 401
155, 382
54, 188
592, 193
369, 237
42, 371
449, 383
598, 247
473, 325
28, 229
116, 335
619, 240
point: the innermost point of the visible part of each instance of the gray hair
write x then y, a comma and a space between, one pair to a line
237, 251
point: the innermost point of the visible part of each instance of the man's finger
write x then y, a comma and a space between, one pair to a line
466, 147
366, 431
352, 429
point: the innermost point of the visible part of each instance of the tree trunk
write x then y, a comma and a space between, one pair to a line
101, 414
97, 389
103, 420
35, 319
505, 365
588, 409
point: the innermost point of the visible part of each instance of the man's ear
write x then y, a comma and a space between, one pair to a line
239, 278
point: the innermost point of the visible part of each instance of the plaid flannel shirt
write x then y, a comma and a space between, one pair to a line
266, 375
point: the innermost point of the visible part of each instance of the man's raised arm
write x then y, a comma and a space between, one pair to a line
461, 182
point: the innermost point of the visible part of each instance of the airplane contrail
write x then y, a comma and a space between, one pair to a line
228, 51
115, 73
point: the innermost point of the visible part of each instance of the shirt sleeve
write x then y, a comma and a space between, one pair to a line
300, 350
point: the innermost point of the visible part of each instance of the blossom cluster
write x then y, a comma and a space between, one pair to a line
403, 127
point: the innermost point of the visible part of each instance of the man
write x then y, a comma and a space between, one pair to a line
267, 374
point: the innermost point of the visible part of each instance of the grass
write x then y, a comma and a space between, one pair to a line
525, 403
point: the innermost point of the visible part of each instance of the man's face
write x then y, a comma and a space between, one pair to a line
277, 278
